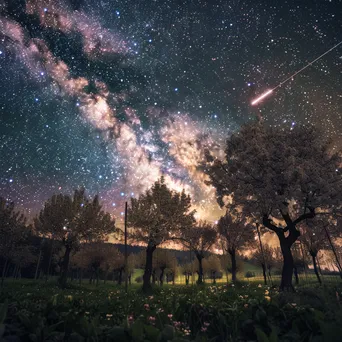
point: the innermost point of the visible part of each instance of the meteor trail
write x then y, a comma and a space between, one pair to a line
268, 92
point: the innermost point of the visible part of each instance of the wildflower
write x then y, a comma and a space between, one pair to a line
259, 285
109, 315
267, 292
151, 318
170, 316
187, 332
147, 307
268, 298
294, 304
246, 296
160, 310
206, 324
203, 329
130, 318
150, 297
87, 312
246, 306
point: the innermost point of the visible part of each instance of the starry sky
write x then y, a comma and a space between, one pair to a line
110, 95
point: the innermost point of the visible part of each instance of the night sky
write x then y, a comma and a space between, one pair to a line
110, 95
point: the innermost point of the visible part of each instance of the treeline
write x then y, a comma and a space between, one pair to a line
285, 182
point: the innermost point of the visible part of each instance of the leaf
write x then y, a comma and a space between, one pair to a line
3, 311
261, 336
168, 332
152, 333
138, 330
118, 334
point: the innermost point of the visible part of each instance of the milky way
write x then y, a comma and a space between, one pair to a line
111, 95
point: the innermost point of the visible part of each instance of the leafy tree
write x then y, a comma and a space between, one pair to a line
157, 216
199, 238
212, 266
226, 264
281, 176
163, 259
313, 239
264, 259
73, 220
13, 232
235, 233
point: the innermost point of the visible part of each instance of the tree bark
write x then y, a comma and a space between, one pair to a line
65, 267
295, 272
232, 253
148, 269
200, 269
313, 255
286, 275
264, 273
161, 277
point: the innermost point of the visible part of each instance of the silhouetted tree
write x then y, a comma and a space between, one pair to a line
199, 238
157, 216
73, 220
235, 233
281, 176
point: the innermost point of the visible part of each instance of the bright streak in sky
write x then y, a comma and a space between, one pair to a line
261, 97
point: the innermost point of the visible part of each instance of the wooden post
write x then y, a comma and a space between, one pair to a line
126, 255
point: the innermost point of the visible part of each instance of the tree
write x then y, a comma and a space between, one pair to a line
12, 232
199, 239
264, 258
235, 233
212, 266
281, 176
313, 239
73, 220
163, 259
157, 216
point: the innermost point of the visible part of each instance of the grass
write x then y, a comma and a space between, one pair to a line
40, 311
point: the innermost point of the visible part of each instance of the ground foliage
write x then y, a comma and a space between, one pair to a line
244, 312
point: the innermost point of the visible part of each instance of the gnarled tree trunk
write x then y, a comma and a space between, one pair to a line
148, 268
232, 253
286, 275
65, 267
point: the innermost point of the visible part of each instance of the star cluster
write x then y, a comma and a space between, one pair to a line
111, 95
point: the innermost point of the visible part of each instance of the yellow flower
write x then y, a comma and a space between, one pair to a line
267, 292
268, 298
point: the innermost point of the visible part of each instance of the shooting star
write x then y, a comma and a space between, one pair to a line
270, 91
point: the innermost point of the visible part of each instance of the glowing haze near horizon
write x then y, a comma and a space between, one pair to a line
110, 95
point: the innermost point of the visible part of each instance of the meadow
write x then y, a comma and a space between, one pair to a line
246, 311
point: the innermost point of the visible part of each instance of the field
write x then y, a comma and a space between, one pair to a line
39, 311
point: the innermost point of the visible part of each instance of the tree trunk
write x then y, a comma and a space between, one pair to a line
38, 265
120, 277
264, 273
286, 275
200, 269
50, 259
334, 251
4, 272
148, 269
232, 253
65, 267
161, 277
214, 277
313, 255
295, 272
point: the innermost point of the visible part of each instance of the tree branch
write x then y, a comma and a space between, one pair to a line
305, 216
267, 223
